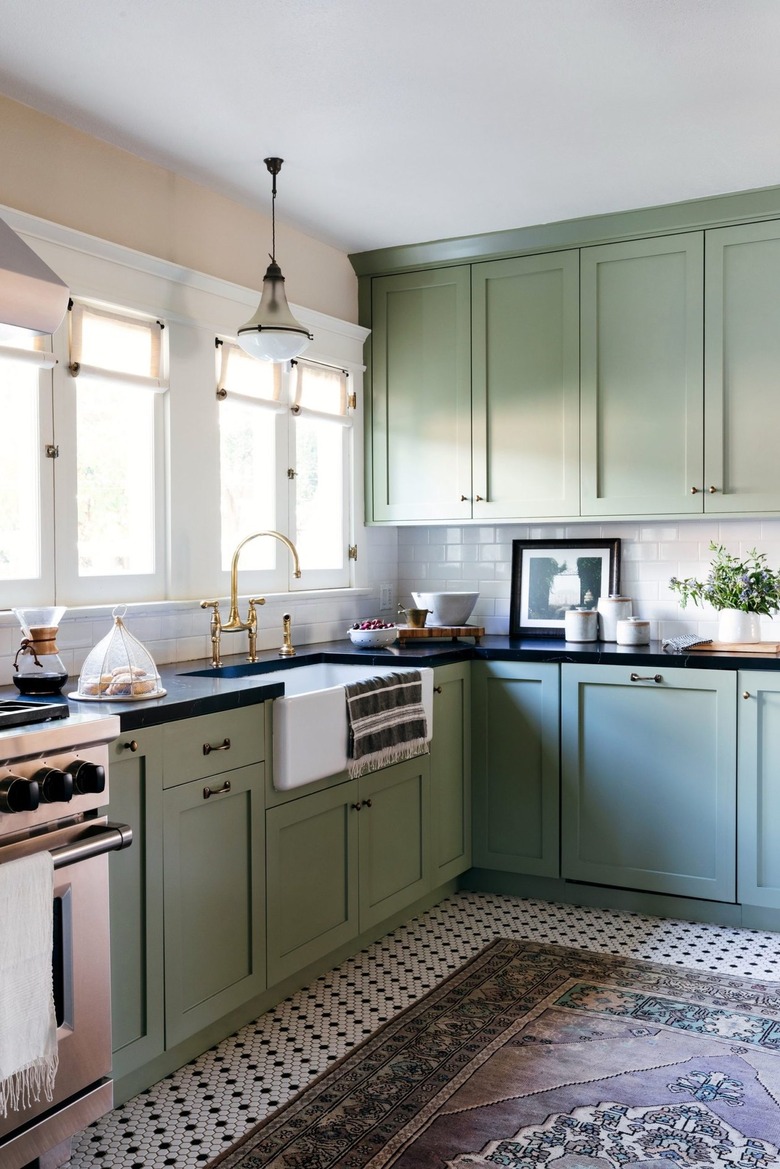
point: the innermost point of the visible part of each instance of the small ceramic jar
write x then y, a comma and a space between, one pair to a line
581, 624
633, 631
611, 610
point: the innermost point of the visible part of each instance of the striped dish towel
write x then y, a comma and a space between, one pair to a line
386, 720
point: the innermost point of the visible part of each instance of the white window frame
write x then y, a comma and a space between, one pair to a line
195, 309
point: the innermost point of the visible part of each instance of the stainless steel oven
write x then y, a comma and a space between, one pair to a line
53, 792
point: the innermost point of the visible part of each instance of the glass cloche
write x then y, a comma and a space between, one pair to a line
119, 668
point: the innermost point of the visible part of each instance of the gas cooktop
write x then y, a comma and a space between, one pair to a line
17, 713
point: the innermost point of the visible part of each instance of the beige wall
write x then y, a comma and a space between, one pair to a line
63, 175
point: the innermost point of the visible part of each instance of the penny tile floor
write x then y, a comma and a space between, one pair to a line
192, 1115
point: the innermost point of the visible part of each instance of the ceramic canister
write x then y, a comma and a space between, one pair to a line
611, 610
581, 624
633, 631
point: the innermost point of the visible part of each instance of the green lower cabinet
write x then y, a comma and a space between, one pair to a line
341, 860
649, 779
515, 708
451, 772
135, 875
312, 878
394, 848
759, 789
214, 897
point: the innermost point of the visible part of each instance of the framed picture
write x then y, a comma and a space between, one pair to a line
551, 576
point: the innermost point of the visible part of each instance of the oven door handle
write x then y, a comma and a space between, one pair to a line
110, 838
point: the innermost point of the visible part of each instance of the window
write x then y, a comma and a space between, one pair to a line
285, 461
25, 484
116, 366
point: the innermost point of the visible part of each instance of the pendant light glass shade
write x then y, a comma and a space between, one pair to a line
273, 334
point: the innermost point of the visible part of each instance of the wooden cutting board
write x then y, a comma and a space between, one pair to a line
409, 633
740, 647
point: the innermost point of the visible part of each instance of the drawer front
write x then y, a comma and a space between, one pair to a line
194, 748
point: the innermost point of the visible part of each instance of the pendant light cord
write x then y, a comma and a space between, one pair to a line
274, 165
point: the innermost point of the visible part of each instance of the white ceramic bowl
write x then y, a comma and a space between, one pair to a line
446, 608
373, 638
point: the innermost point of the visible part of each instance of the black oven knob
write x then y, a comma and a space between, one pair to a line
18, 795
56, 786
88, 778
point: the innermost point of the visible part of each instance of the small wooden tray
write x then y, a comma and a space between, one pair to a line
741, 647
409, 633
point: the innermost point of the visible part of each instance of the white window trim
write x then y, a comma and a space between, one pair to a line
195, 308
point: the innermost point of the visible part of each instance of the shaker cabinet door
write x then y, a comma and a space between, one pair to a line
742, 369
642, 395
419, 450
649, 779
525, 386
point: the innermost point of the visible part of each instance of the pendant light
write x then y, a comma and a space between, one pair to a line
273, 334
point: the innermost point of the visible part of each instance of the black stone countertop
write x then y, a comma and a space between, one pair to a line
192, 689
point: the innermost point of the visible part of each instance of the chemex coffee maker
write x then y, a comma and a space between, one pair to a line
38, 667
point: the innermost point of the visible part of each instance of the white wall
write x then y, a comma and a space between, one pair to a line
480, 557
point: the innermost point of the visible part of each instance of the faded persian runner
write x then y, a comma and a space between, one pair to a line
533, 1056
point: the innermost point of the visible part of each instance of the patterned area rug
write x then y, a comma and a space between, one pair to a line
531, 1056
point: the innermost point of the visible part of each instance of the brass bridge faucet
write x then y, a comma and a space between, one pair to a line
234, 623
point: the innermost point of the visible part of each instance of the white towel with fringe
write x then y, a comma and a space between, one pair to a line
387, 721
28, 1026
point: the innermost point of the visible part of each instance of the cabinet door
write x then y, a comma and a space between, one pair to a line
420, 429
516, 767
759, 789
135, 876
742, 368
525, 386
394, 836
451, 772
649, 779
642, 396
214, 898
312, 878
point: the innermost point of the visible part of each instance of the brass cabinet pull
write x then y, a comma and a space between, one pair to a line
712, 490
131, 746
223, 746
695, 490
646, 677
437, 690
746, 694
356, 807
366, 803
216, 791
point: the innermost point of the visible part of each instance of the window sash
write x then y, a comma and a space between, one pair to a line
142, 337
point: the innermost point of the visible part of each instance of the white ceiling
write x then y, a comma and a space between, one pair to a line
407, 120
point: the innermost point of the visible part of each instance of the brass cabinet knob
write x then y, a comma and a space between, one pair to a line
464, 499
746, 694
437, 690
694, 491
712, 490
131, 746
478, 498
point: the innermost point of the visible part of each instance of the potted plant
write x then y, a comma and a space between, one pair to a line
740, 589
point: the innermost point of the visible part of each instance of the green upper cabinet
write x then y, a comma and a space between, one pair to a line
742, 368
419, 455
642, 397
525, 386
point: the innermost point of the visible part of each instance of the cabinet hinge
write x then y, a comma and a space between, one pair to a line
353, 552
352, 401
291, 472
52, 451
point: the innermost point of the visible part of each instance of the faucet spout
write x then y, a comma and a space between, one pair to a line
234, 621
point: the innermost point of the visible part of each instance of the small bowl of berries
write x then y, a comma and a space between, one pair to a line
373, 634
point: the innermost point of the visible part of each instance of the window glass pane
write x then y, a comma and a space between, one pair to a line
319, 487
247, 436
242, 374
115, 477
20, 520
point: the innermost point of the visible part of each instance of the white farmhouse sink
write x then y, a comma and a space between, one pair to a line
310, 721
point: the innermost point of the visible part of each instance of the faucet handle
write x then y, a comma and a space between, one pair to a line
215, 630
